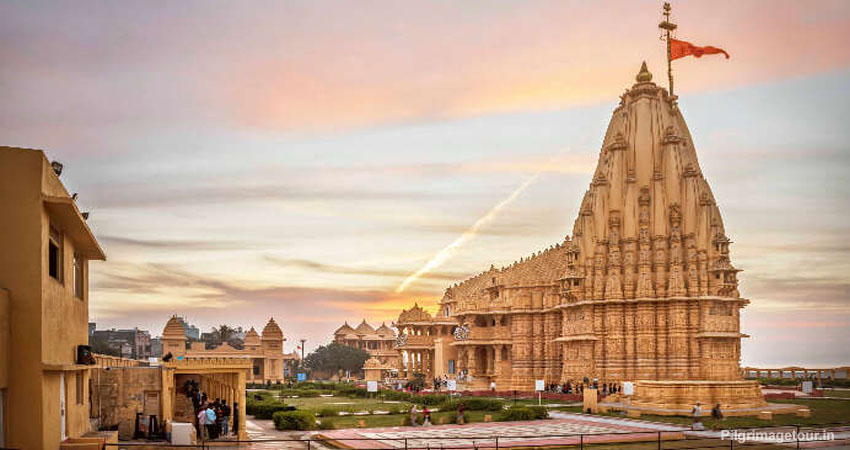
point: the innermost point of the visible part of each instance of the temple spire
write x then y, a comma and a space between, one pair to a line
668, 27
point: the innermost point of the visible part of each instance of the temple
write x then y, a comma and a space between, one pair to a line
380, 342
644, 290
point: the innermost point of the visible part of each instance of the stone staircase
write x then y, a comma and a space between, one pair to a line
184, 411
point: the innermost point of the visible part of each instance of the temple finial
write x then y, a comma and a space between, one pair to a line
643, 76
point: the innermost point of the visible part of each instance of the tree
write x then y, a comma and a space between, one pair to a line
221, 334
100, 344
334, 357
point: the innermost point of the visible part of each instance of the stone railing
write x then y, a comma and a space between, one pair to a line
209, 363
103, 361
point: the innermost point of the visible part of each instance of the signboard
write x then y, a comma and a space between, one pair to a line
807, 387
302, 377
451, 385
628, 388
371, 386
539, 385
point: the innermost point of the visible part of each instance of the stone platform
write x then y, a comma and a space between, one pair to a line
677, 398
684, 394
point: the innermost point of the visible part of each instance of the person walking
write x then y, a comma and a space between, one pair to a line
426, 416
460, 409
696, 413
716, 413
492, 386
414, 415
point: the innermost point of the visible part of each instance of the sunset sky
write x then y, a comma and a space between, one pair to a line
300, 159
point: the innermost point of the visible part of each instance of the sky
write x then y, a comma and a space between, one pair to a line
243, 160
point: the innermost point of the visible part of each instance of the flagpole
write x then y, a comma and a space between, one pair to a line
668, 26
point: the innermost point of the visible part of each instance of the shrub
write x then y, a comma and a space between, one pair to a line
396, 395
265, 409
473, 404
294, 420
327, 411
523, 413
326, 424
429, 399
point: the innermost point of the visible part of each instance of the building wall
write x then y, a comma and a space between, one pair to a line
49, 321
120, 393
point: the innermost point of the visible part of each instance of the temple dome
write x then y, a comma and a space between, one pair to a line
364, 328
414, 314
174, 329
385, 331
344, 329
251, 337
272, 331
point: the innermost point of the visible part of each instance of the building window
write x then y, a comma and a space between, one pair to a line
80, 388
79, 277
54, 255
451, 366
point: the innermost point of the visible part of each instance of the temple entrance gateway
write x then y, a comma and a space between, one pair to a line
222, 378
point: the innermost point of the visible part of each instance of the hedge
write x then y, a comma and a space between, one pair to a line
294, 420
473, 404
265, 409
523, 413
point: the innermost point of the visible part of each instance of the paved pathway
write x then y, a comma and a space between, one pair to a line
565, 429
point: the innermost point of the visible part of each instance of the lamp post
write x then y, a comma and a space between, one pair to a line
302, 353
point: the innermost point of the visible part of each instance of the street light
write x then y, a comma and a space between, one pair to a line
302, 353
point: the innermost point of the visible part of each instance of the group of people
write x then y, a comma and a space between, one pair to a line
212, 418
576, 388
696, 412
426, 415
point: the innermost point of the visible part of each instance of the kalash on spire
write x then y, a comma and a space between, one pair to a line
643, 295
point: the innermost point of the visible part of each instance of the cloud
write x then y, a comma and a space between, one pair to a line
147, 294
354, 270
173, 244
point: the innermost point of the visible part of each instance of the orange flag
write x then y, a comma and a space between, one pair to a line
680, 49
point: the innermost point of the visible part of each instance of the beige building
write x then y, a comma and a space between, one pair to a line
380, 342
268, 362
44, 303
644, 290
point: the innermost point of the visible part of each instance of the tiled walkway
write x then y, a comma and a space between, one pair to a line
564, 430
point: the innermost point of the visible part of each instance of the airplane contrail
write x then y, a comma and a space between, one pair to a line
449, 250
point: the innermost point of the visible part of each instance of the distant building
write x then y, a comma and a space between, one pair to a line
132, 343
156, 347
380, 342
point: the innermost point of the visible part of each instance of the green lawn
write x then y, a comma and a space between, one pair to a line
345, 403
823, 412
842, 393
395, 420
